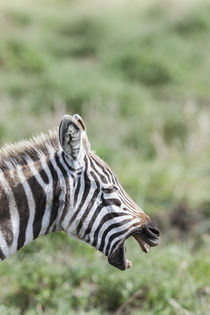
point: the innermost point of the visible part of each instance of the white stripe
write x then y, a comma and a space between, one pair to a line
4, 246
66, 219
14, 215
48, 189
122, 236
108, 223
93, 209
62, 194
101, 172
72, 228
81, 190
77, 220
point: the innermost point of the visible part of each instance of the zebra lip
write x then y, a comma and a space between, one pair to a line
145, 238
118, 258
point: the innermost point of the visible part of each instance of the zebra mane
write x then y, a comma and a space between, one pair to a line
12, 155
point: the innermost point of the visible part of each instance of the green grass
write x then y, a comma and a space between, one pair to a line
66, 281
139, 76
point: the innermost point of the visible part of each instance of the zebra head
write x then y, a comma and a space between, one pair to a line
100, 213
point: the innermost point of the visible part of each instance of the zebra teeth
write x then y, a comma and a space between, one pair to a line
128, 264
144, 246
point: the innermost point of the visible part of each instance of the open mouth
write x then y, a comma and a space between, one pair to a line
147, 236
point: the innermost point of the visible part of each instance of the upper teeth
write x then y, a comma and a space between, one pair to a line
147, 247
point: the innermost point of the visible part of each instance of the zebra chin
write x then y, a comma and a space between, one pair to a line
147, 236
118, 258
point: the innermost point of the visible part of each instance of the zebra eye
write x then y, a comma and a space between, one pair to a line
110, 189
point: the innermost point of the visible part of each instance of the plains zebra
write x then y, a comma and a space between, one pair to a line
56, 183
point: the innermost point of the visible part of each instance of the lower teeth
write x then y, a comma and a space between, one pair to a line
129, 264
146, 247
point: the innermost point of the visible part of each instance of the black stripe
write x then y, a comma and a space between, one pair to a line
112, 227
102, 177
110, 173
104, 203
2, 256
115, 235
40, 203
87, 187
76, 194
90, 204
67, 194
125, 197
44, 176
107, 217
56, 195
22, 207
67, 164
67, 197
104, 170
74, 179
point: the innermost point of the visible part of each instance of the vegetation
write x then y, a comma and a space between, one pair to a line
139, 76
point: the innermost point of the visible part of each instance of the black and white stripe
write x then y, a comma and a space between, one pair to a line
55, 182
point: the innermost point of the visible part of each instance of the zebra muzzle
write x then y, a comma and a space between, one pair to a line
148, 236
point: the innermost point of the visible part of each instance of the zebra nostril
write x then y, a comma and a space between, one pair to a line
153, 230
149, 234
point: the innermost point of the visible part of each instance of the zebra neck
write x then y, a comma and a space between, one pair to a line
32, 199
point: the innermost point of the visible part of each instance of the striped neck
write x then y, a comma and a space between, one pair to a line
33, 199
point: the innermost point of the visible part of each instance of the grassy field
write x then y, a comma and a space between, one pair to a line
138, 74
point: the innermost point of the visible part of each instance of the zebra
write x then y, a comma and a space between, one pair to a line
55, 182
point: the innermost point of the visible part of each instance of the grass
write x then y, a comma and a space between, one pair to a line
142, 71
84, 282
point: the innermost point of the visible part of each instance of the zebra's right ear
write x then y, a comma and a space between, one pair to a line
70, 136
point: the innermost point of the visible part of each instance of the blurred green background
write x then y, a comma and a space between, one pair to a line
138, 72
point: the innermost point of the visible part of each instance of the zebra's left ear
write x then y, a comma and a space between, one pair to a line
72, 135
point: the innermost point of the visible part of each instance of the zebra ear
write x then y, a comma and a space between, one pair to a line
80, 121
70, 136
85, 141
